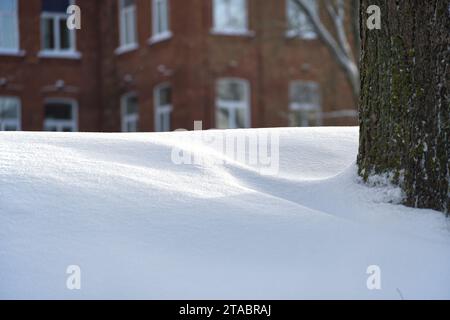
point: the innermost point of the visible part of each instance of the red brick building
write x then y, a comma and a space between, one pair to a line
158, 65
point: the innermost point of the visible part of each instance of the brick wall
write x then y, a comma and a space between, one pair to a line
191, 61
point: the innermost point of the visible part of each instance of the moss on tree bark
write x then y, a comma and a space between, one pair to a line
405, 103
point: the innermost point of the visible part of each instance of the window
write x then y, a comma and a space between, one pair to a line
130, 113
56, 37
9, 114
230, 16
163, 107
160, 19
304, 106
128, 28
9, 29
232, 104
60, 115
299, 25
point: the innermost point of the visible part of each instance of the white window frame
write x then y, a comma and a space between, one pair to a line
232, 106
295, 106
128, 118
156, 20
159, 110
12, 122
59, 124
124, 11
230, 31
297, 32
15, 50
57, 52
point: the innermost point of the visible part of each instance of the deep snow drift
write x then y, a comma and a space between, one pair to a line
140, 226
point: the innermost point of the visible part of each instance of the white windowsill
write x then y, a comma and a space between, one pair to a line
290, 34
126, 48
160, 37
59, 54
238, 33
12, 52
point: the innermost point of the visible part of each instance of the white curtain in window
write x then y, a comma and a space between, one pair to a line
230, 15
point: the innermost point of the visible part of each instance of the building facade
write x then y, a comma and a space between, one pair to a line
159, 65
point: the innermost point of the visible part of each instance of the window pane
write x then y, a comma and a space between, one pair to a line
231, 90
304, 118
230, 14
48, 33
129, 27
58, 111
165, 96
222, 118
165, 121
126, 26
130, 116
298, 22
304, 92
293, 13
313, 118
165, 16
159, 126
64, 35
50, 128
9, 111
131, 105
7, 5
8, 31
10, 128
131, 126
161, 16
168, 121
59, 6
241, 118
127, 3
298, 119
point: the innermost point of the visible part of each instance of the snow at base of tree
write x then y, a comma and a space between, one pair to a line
140, 226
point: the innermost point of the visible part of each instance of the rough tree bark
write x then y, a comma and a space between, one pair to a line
405, 102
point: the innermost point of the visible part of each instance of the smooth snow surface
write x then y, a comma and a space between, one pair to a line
140, 226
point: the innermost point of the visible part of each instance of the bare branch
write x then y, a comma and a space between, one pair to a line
339, 46
331, 9
339, 23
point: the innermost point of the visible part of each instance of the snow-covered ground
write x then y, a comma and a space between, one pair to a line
140, 226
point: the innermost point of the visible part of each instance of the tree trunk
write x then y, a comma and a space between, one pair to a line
405, 102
